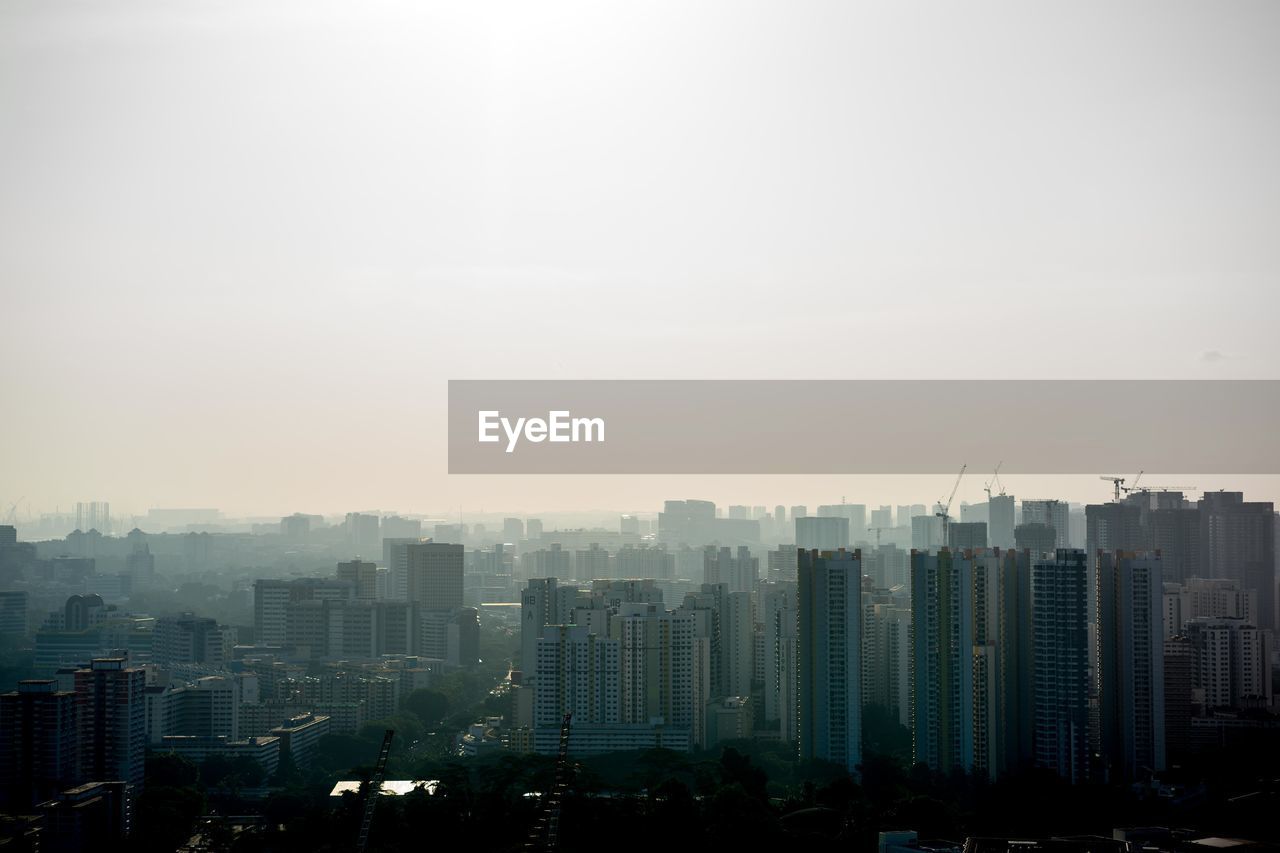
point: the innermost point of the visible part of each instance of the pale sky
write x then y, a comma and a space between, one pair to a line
243, 245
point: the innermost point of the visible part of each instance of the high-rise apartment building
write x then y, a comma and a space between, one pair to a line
1230, 662
966, 535
738, 570
1199, 597
943, 699
93, 515
829, 606
1238, 541
111, 712
39, 743
1055, 513
1000, 514
778, 620
822, 533
664, 669
1060, 664
1130, 664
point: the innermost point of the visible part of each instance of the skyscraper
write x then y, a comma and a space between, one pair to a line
966, 535
1037, 539
1130, 664
1237, 541
829, 604
942, 647
1060, 665
1055, 513
93, 515
778, 617
822, 533
1000, 521
1014, 697
39, 743
1230, 662
395, 556
739, 570
664, 668
111, 712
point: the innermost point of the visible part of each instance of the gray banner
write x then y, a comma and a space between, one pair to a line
862, 426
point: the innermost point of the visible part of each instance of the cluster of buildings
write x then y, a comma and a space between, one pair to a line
1110, 662
995, 638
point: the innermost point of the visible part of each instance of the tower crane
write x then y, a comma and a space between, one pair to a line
547, 827
1117, 483
944, 510
994, 481
372, 789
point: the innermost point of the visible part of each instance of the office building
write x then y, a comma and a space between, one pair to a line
274, 603
435, 575
363, 576
13, 613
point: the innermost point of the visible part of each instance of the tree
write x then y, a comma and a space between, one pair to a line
170, 770
430, 706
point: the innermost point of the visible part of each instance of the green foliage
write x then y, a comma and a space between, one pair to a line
219, 771
169, 770
430, 706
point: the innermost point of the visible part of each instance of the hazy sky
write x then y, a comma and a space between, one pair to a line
243, 245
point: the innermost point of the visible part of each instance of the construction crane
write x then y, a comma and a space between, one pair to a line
546, 828
1148, 489
877, 532
1117, 483
945, 510
12, 517
372, 789
994, 481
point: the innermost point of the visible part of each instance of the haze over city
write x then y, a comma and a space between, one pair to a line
282, 284
248, 245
